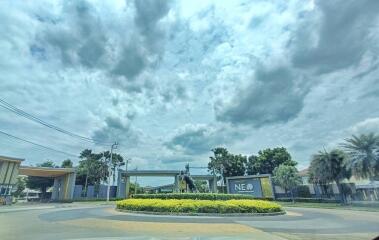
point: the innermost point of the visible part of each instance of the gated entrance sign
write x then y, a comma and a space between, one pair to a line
260, 186
250, 186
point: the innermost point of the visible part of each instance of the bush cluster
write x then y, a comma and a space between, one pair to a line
309, 200
199, 206
195, 196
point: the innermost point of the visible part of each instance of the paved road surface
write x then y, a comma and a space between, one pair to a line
96, 221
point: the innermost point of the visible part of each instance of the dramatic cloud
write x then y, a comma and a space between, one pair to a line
336, 35
115, 128
82, 35
169, 80
199, 139
366, 126
274, 97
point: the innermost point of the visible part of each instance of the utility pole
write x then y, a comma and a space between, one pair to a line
114, 146
128, 160
135, 184
222, 178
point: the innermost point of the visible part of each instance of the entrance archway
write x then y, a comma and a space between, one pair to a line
10, 169
64, 180
124, 179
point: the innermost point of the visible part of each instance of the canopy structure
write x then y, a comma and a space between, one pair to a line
10, 169
64, 180
124, 179
45, 171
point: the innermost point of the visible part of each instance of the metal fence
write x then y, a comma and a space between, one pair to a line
94, 192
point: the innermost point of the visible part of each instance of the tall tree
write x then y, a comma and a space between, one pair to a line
135, 188
328, 167
287, 177
267, 160
92, 169
363, 152
115, 164
201, 186
227, 164
84, 168
67, 164
41, 183
20, 186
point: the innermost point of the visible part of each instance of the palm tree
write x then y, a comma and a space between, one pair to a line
287, 177
328, 167
363, 151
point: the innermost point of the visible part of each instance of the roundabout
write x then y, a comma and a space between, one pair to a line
190, 204
101, 221
203, 214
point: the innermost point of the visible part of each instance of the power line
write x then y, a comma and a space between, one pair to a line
39, 145
26, 115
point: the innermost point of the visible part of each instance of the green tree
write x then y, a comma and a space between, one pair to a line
227, 164
84, 168
328, 167
116, 163
67, 164
135, 186
267, 160
20, 186
287, 177
41, 183
363, 152
201, 186
92, 169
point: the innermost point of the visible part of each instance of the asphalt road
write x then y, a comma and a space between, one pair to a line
97, 221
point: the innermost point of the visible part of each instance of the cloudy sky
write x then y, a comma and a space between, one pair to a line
169, 80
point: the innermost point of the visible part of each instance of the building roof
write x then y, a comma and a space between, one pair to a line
44, 171
11, 159
147, 173
202, 177
159, 187
304, 172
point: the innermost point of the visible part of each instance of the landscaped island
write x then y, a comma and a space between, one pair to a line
199, 204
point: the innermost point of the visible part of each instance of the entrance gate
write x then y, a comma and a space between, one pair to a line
10, 169
124, 179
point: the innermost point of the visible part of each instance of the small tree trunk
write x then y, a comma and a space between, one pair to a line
85, 185
292, 197
43, 193
342, 195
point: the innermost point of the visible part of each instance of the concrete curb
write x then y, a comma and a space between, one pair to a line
204, 214
20, 209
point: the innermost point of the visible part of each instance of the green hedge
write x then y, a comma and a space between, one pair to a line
96, 199
198, 196
309, 200
199, 206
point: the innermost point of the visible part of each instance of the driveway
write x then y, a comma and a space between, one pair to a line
98, 221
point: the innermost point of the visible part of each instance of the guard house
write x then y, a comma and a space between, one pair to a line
124, 179
64, 180
10, 169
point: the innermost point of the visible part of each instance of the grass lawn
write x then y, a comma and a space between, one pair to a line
329, 205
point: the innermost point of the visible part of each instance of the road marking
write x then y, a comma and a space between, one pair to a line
293, 214
163, 229
114, 211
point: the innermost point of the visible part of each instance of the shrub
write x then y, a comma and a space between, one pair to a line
96, 199
303, 191
199, 206
309, 200
195, 196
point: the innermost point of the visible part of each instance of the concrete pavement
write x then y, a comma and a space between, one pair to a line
95, 221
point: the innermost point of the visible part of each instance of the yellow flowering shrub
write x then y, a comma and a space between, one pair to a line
200, 196
199, 206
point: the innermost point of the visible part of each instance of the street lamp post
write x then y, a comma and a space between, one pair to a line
114, 146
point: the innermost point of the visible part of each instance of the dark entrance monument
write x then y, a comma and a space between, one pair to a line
259, 186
